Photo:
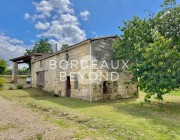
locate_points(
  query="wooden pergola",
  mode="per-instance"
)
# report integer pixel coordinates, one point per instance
(19, 60)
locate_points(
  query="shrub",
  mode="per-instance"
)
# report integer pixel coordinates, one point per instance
(1, 83)
(2, 80)
(19, 86)
(10, 88)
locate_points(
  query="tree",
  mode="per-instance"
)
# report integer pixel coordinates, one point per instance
(152, 46)
(167, 21)
(41, 47)
(3, 66)
(64, 46)
(159, 69)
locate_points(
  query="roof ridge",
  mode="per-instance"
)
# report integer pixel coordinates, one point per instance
(101, 37)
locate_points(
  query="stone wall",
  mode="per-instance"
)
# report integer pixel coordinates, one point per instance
(122, 88)
(53, 84)
(102, 50)
(20, 79)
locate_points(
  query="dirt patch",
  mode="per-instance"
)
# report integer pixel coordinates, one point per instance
(19, 123)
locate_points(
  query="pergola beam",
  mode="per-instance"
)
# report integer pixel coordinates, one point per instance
(19, 60)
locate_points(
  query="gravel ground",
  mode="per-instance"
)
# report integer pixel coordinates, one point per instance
(19, 123)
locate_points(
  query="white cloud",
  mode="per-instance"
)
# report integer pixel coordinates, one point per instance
(38, 16)
(42, 26)
(10, 47)
(85, 15)
(57, 20)
(68, 19)
(26, 16)
(54, 43)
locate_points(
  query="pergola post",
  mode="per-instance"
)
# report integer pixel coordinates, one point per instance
(15, 72)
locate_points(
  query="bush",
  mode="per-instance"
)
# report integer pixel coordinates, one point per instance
(10, 88)
(2, 80)
(19, 86)
(1, 83)
(3, 65)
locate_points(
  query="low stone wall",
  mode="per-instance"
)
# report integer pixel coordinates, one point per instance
(8, 78)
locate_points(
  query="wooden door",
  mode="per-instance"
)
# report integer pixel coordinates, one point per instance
(40, 79)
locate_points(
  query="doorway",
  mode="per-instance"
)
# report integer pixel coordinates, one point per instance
(68, 87)
(106, 88)
(40, 79)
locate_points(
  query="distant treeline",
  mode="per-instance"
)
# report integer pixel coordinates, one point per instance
(22, 71)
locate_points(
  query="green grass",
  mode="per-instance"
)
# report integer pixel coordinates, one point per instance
(121, 119)
(175, 92)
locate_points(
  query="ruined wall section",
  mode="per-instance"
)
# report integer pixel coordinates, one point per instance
(122, 88)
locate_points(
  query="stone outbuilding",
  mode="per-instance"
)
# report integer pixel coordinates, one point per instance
(85, 70)
(59, 73)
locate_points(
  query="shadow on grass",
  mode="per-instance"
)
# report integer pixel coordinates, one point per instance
(167, 116)
(130, 104)
(71, 102)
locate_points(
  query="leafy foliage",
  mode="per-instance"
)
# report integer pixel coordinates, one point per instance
(43, 46)
(3, 66)
(167, 22)
(21, 71)
(158, 69)
(64, 46)
(19, 86)
(1, 83)
(10, 88)
(152, 46)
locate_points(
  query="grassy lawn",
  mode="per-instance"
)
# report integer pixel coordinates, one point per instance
(122, 119)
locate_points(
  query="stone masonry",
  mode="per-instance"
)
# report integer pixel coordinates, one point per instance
(101, 50)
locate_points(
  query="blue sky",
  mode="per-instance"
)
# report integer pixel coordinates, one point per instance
(22, 22)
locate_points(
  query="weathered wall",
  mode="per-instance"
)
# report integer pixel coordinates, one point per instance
(122, 88)
(20, 79)
(52, 77)
(102, 50)
(82, 91)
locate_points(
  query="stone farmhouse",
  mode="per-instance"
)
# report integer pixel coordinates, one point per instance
(54, 74)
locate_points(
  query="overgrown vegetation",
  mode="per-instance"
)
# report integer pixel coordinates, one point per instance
(3, 66)
(1, 83)
(43, 46)
(152, 46)
(124, 119)
(21, 71)
(64, 46)
(10, 88)
(19, 86)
